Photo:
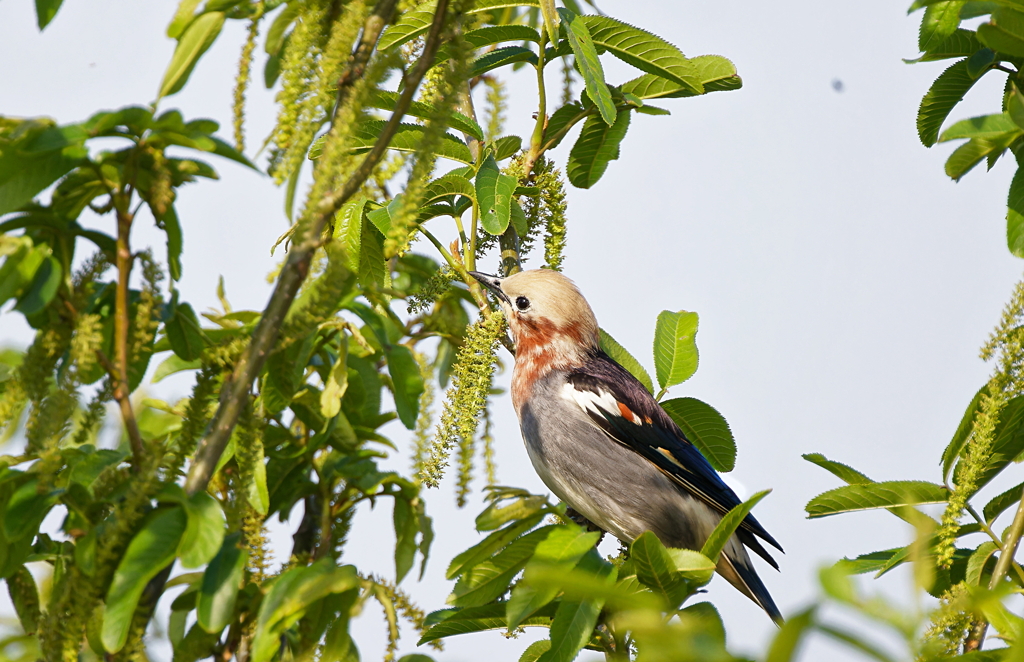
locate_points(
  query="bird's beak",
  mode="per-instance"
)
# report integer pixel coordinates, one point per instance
(493, 283)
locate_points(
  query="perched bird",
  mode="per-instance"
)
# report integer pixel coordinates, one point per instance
(602, 443)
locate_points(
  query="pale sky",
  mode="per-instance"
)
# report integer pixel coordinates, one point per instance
(844, 283)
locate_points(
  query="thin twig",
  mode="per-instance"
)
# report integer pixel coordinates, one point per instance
(236, 389)
(123, 262)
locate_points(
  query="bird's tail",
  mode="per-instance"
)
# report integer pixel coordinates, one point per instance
(740, 573)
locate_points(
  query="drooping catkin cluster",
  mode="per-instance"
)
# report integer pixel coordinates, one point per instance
(1006, 343)
(244, 76)
(146, 316)
(401, 605)
(249, 457)
(443, 95)
(318, 49)
(545, 212)
(432, 289)
(497, 106)
(949, 625)
(425, 420)
(466, 398)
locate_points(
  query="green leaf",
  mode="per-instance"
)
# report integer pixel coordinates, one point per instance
(1015, 215)
(535, 650)
(407, 139)
(870, 562)
(675, 347)
(222, 579)
(406, 528)
(183, 331)
(205, 531)
(655, 568)
(337, 382)
(1004, 33)
(496, 514)
(1015, 106)
(19, 268)
(456, 120)
(987, 127)
(152, 548)
(42, 288)
(963, 433)
(574, 621)
(410, 25)
(588, 63)
(26, 509)
(24, 593)
(294, 592)
(348, 229)
(490, 580)
(715, 73)
(940, 21)
(645, 51)
(980, 62)
(24, 176)
(887, 494)
(416, 22)
(945, 93)
(966, 156)
(174, 364)
(727, 526)
(620, 355)
(786, 642)
(195, 40)
(507, 146)
(977, 562)
(182, 17)
(706, 429)
(500, 57)
(597, 145)
(46, 10)
(407, 381)
(489, 36)
(491, 544)
(560, 550)
(451, 622)
(842, 471)
(494, 192)
(961, 43)
(1000, 503)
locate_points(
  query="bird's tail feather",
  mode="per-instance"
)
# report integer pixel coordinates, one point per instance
(741, 574)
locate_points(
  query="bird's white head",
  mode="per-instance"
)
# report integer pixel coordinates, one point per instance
(551, 323)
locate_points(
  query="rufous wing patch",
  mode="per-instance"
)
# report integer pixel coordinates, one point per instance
(628, 414)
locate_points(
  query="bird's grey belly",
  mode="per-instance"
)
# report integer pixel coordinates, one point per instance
(612, 486)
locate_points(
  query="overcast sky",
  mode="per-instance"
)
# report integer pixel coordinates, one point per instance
(844, 284)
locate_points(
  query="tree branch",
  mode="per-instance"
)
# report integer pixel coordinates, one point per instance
(236, 389)
(123, 262)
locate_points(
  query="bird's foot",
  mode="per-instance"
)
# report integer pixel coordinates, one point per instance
(579, 519)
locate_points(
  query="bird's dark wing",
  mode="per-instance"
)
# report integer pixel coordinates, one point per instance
(620, 405)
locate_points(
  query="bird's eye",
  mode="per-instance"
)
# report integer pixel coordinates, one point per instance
(522, 303)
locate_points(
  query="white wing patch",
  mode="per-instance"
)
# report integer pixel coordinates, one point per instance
(601, 402)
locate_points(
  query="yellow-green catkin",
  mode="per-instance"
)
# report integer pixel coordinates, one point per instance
(487, 439)
(466, 398)
(1006, 343)
(552, 194)
(249, 457)
(146, 316)
(244, 76)
(497, 105)
(404, 606)
(425, 420)
(254, 535)
(444, 100)
(949, 625)
(317, 51)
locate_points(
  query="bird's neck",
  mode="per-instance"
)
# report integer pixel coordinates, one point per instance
(539, 351)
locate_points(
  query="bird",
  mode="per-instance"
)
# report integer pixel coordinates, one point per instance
(601, 442)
